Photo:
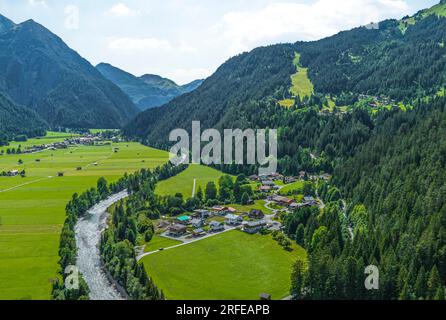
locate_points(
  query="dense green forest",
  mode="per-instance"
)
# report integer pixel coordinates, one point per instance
(394, 185)
(16, 120)
(383, 61)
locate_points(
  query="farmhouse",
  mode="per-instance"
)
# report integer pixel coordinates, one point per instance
(201, 214)
(256, 214)
(163, 224)
(198, 232)
(294, 206)
(282, 200)
(223, 210)
(216, 226)
(325, 177)
(252, 227)
(177, 230)
(13, 173)
(197, 223)
(254, 178)
(184, 220)
(290, 180)
(268, 183)
(233, 219)
(265, 189)
(310, 201)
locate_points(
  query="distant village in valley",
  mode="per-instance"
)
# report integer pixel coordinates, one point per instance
(88, 139)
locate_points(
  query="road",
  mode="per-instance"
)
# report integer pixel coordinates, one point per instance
(186, 242)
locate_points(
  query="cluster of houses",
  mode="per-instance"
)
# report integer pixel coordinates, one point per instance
(378, 101)
(87, 140)
(308, 201)
(268, 181)
(199, 219)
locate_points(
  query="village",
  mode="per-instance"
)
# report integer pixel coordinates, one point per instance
(207, 222)
(82, 140)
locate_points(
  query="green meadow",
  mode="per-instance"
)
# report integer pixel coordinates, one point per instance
(32, 208)
(297, 186)
(300, 84)
(184, 182)
(233, 266)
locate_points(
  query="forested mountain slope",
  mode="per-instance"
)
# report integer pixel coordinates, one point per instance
(247, 77)
(394, 187)
(384, 61)
(38, 70)
(16, 120)
(148, 91)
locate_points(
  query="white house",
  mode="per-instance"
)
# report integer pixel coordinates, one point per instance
(233, 219)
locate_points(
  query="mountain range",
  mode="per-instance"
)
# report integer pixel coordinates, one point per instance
(147, 91)
(401, 59)
(40, 72)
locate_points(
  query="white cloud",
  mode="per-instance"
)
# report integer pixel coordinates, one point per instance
(130, 45)
(121, 10)
(287, 21)
(71, 17)
(182, 76)
(36, 3)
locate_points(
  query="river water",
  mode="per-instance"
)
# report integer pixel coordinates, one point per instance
(88, 235)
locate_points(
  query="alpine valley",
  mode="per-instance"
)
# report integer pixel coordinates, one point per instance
(360, 185)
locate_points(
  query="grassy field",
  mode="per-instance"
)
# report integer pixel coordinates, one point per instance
(32, 208)
(183, 183)
(49, 138)
(259, 204)
(292, 187)
(301, 84)
(158, 242)
(233, 265)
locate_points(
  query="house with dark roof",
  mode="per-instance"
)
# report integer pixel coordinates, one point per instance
(252, 227)
(184, 220)
(215, 226)
(233, 219)
(197, 223)
(177, 230)
(256, 214)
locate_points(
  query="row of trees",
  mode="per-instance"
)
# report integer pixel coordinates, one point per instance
(78, 207)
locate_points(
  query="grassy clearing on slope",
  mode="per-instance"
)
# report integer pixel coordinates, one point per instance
(32, 214)
(233, 266)
(183, 183)
(301, 84)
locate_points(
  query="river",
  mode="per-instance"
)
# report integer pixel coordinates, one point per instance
(88, 235)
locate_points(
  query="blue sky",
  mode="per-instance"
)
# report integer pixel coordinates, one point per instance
(189, 39)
